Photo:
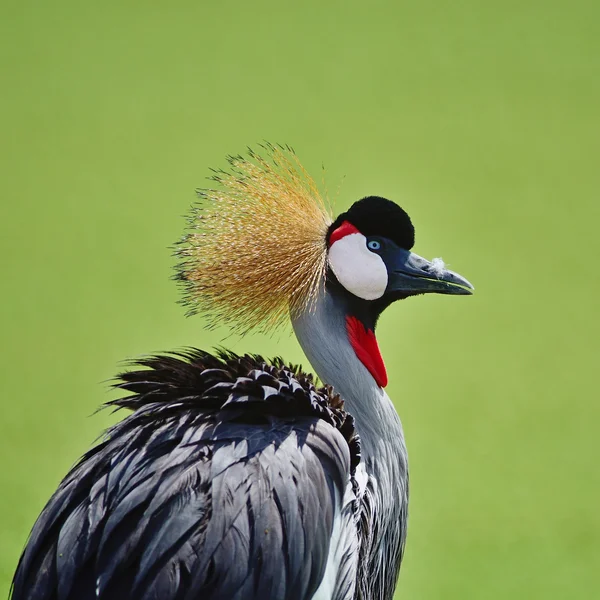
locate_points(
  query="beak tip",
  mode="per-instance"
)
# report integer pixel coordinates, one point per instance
(459, 283)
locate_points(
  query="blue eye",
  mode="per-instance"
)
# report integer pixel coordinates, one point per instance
(373, 245)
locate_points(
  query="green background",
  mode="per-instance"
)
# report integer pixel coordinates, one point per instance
(481, 118)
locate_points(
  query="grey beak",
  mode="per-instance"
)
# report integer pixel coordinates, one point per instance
(412, 274)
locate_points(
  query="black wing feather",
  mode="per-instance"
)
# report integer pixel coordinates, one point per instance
(221, 484)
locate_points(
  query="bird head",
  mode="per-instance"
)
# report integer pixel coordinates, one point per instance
(262, 245)
(369, 254)
(370, 265)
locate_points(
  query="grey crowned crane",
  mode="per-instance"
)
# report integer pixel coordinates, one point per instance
(235, 477)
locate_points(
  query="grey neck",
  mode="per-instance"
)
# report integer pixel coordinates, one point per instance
(321, 331)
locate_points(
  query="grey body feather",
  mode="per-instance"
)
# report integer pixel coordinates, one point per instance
(234, 479)
(221, 485)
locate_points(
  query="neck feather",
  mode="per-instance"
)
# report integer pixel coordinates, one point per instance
(323, 334)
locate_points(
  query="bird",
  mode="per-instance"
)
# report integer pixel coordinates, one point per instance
(233, 476)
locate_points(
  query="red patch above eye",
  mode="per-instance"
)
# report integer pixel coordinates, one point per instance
(346, 228)
(365, 346)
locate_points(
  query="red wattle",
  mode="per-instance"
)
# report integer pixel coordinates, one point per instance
(346, 228)
(365, 346)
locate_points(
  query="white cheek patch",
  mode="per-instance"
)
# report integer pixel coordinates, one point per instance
(362, 272)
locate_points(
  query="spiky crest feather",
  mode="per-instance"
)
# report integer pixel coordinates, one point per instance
(256, 245)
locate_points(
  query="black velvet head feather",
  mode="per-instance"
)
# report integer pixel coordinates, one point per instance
(374, 215)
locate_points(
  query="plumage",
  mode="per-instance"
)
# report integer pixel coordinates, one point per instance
(255, 248)
(238, 478)
(222, 483)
